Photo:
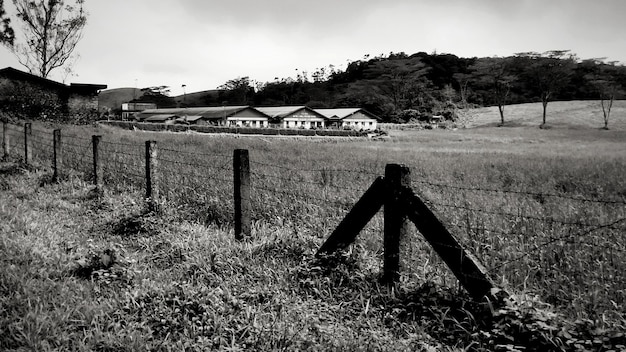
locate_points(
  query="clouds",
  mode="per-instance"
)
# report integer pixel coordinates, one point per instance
(203, 43)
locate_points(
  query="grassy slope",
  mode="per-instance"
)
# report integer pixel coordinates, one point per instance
(565, 114)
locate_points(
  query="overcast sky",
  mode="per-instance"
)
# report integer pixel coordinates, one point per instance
(204, 43)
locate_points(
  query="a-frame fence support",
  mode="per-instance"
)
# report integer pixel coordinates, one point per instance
(401, 203)
(360, 214)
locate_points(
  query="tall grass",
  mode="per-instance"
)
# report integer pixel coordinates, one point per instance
(542, 209)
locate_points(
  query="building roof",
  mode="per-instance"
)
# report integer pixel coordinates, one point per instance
(280, 112)
(211, 112)
(189, 118)
(82, 88)
(160, 117)
(342, 113)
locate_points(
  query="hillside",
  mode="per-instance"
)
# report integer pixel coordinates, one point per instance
(202, 98)
(113, 98)
(569, 114)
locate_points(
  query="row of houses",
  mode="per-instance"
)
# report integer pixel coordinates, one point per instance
(300, 117)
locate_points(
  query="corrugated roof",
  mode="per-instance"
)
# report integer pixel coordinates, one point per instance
(189, 118)
(83, 87)
(210, 112)
(159, 117)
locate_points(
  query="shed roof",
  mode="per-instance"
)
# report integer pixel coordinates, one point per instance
(81, 88)
(189, 118)
(159, 117)
(210, 112)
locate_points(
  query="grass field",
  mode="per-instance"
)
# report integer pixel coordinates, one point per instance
(543, 209)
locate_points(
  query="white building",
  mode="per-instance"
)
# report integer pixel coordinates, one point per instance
(294, 116)
(352, 118)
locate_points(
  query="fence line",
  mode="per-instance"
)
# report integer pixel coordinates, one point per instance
(312, 194)
(535, 194)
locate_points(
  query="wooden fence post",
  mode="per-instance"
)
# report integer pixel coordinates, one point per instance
(97, 166)
(6, 146)
(396, 225)
(57, 155)
(28, 131)
(152, 184)
(241, 169)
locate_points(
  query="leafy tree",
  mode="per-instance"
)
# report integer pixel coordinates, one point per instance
(237, 91)
(158, 95)
(604, 80)
(548, 73)
(401, 80)
(495, 73)
(7, 36)
(51, 31)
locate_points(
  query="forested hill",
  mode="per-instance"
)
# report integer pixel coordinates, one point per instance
(400, 86)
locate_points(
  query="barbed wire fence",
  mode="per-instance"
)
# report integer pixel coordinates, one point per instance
(567, 248)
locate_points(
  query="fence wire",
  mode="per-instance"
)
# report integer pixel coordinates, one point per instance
(568, 248)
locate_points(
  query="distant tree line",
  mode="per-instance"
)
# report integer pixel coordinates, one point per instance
(400, 87)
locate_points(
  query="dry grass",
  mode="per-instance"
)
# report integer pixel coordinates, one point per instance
(178, 279)
(559, 114)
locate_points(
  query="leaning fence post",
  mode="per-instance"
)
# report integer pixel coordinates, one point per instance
(28, 131)
(57, 154)
(241, 169)
(6, 146)
(396, 225)
(97, 166)
(152, 184)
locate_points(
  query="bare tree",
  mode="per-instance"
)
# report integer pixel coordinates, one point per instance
(463, 81)
(51, 31)
(603, 79)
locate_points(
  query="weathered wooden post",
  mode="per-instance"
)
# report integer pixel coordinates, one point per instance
(152, 183)
(97, 166)
(57, 155)
(241, 169)
(6, 146)
(28, 131)
(396, 226)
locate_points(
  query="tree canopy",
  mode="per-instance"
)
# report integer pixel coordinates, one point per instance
(400, 86)
(7, 36)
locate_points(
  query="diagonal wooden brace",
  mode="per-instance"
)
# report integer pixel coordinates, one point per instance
(360, 214)
(464, 265)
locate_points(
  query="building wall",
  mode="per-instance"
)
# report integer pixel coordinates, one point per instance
(303, 119)
(248, 118)
(359, 121)
(246, 121)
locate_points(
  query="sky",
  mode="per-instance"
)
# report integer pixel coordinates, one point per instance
(204, 43)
